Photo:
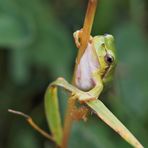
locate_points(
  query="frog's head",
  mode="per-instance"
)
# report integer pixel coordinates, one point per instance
(105, 50)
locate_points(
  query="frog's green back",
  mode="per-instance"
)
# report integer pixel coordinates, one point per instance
(104, 45)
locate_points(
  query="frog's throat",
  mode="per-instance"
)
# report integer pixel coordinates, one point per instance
(89, 63)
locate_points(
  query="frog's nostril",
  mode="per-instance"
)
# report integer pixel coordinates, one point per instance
(106, 34)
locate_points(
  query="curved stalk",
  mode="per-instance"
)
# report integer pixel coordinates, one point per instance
(87, 26)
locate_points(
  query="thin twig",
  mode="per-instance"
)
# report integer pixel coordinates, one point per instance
(32, 124)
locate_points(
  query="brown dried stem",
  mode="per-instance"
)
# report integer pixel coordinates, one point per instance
(87, 27)
(88, 22)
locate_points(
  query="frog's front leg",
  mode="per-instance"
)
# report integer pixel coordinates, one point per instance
(77, 37)
(82, 96)
(96, 91)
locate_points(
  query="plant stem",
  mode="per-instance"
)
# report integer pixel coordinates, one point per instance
(87, 26)
(68, 122)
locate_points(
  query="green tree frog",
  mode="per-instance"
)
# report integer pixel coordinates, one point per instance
(97, 64)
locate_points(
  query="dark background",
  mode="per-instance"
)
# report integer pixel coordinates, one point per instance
(36, 47)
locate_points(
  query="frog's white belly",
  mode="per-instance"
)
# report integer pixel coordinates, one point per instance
(88, 64)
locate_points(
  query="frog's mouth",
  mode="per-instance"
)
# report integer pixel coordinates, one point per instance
(88, 64)
(106, 71)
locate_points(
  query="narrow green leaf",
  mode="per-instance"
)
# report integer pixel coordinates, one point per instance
(108, 117)
(52, 114)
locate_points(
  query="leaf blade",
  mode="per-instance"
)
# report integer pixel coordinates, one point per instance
(53, 114)
(109, 118)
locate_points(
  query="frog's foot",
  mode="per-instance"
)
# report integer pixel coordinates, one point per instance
(78, 94)
(77, 37)
(83, 99)
(84, 96)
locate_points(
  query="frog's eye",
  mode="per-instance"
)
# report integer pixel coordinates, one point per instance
(103, 45)
(109, 59)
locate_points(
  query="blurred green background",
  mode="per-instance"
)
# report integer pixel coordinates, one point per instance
(36, 47)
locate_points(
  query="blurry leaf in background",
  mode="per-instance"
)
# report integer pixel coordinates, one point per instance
(23, 137)
(132, 56)
(35, 40)
(132, 53)
(47, 40)
(87, 135)
(11, 32)
(105, 16)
